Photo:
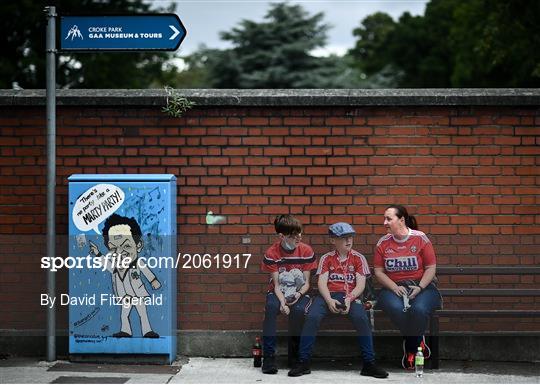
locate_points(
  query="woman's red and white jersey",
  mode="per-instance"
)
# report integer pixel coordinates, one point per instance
(277, 259)
(342, 274)
(404, 259)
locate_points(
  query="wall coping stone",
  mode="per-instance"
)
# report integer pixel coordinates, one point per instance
(282, 97)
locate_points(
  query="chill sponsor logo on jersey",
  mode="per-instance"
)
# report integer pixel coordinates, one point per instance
(409, 263)
(337, 277)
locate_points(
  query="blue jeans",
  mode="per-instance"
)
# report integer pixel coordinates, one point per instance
(296, 320)
(413, 322)
(318, 310)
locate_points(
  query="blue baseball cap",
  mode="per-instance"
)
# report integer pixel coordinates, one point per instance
(341, 229)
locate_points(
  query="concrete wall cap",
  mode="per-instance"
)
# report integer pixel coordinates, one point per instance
(282, 97)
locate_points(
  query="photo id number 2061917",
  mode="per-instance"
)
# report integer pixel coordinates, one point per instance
(208, 261)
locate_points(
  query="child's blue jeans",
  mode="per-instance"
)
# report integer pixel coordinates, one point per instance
(318, 310)
(296, 320)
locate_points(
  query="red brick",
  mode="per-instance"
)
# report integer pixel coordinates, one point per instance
(129, 141)
(339, 141)
(337, 121)
(507, 140)
(253, 200)
(319, 151)
(10, 161)
(154, 131)
(233, 131)
(296, 121)
(299, 161)
(255, 121)
(91, 161)
(277, 171)
(152, 151)
(317, 131)
(297, 200)
(528, 150)
(298, 141)
(255, 180)
(320, 171)
(215, 161)
(339, 180)
(9, 122)
(463, 220)
(213, 181)
(214, 141)
(507, 120)
(295, 181)
(130, 122)
(172, 141)
(463, 120)
(255, 141)
(132, 161)
(381, 121)
(382, 160)
(221, 121)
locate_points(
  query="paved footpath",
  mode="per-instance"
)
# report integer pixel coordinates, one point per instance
(199, 370)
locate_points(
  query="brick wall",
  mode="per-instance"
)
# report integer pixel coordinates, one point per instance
(469, 173)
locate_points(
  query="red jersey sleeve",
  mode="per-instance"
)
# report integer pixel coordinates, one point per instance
(269, 263)
(323, 265)
(309, 254)
(365, 267)
(428, 255)
(378, 260)
(360, 265)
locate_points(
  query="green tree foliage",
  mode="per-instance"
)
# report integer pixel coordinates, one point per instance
(497, 43)
(195, 73)
(371, 37)
(275, 53)
(23, 30)
(475, 43)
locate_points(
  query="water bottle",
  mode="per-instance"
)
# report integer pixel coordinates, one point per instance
(256, 351)
(419, 363)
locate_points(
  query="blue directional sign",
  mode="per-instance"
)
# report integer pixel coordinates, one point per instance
(162, 32)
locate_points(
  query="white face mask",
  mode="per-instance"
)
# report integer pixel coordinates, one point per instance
(288, 245)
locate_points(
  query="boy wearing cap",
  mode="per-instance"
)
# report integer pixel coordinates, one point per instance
(288, 253)
(342, 277)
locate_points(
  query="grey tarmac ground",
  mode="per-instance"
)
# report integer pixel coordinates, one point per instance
(200, 370)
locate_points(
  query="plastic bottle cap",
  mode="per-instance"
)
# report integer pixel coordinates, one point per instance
(419, 348)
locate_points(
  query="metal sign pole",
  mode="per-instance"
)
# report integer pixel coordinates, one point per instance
(51, 175)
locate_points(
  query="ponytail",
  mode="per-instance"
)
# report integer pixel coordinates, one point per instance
(401, 212)
(411, 223)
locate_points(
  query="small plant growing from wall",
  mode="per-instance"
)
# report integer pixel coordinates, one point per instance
(177, 105)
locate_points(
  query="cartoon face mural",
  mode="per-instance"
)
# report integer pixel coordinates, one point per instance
(121, 242)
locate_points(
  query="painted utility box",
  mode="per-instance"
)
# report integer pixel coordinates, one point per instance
(122, 290)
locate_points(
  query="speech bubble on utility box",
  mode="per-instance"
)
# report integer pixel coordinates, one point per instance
(95, 205)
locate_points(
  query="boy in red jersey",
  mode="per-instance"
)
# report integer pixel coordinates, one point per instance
(405, 265)
(286, 254)
(342, 278)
